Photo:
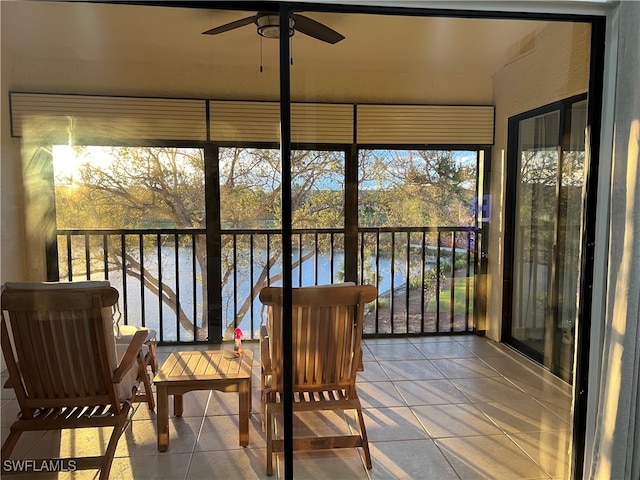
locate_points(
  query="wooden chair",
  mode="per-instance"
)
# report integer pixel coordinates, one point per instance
(124, 335)
(62, 360)
(327, 333)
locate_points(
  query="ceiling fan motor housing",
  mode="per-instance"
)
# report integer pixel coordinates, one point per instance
(269, 25)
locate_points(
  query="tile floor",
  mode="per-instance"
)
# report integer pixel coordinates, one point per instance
(435, 408)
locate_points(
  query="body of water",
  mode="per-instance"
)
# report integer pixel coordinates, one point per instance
(185, 281)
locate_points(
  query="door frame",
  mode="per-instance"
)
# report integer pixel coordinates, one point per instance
(512, 174)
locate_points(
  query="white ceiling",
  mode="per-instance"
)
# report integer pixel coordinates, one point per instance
(113, 33)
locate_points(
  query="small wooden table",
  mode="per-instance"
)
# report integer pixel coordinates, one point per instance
(221, 370)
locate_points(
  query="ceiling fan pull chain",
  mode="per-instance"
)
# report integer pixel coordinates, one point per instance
(261, 70)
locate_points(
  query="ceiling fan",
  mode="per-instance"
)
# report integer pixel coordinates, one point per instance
(268, 26)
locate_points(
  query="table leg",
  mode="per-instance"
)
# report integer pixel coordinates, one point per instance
(244, 407)
(163, 418)
(178, 405)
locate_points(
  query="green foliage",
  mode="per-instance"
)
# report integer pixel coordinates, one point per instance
(382, 302)
(415, 188)
(459, 304)
(128, 187)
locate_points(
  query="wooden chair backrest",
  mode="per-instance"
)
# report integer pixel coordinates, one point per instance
(327, 327)
(55, 342)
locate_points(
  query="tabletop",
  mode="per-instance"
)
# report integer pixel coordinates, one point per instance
(205, 365)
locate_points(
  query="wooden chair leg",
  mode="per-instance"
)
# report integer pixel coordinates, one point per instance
(365, 440)
(269, 416)
(153, 343)
(146, 381)
(263, 400)
(110, 452)
(10, 443)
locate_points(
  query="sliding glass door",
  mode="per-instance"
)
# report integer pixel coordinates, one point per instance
(545, 174)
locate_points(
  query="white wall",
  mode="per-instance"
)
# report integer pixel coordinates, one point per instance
(557, 68)
(12, 264)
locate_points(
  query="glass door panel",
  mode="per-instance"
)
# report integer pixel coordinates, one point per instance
(572, 170)
(535, 214)
(546, 234)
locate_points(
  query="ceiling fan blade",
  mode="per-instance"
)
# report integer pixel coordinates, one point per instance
(230, 26)
(315, 29)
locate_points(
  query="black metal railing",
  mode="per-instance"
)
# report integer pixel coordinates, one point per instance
(425, 276)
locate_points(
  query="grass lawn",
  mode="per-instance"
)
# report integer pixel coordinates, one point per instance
(459, 295)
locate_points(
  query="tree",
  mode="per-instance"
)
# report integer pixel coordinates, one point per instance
(416, 187)
(163, 187)
(134, 188)
(139, 187)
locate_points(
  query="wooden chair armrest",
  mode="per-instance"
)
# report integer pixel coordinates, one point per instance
(133, 350)
(265, 358)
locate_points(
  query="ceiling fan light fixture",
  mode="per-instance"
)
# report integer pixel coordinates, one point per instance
(269, 26)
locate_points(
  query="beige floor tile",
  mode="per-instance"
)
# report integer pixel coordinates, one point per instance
(221, 432)
(410, 370)
(336, 464)
(489, 457)
(194, 403)
(430, 339)
(409, 460)
(373, 372)
(223, 403)
(560, 406)
(89, 474)
(550, 449)
(478, 380)
(489, 389)
(379, 394)
(142, 411)
(237, 464)
(367, 356)
(481, 347)
(82, 442)
(454, 420)
(544, 386)
(463, 368)
(26, 443)
(10, 410)
(71, 443)
(511, 364)
(141, 438)
(395, 351)
(310, 424)
(435, 350)
(256, 399)
(142, 467)
(385, 340)
(395, 423)
(523, 416)
(6, 393)
(430, 392)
